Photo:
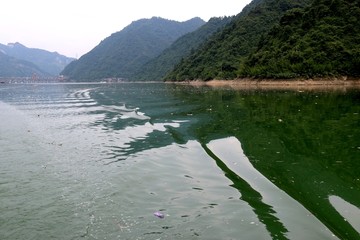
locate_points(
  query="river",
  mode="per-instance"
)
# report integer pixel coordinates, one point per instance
(166, 161)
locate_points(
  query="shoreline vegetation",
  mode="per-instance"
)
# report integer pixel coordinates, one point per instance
(290, 84)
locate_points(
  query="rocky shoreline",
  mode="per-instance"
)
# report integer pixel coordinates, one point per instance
(294, 84)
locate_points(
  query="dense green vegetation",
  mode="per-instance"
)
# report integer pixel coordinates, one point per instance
(223, 53)
(12, 67)
(281, 39)
(320, 40)
(124, 52)
(157, 68)
(50, 62)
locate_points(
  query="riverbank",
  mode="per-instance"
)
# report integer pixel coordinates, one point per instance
(291, 84)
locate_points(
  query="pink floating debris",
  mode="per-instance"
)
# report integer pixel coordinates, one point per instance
(159, 215)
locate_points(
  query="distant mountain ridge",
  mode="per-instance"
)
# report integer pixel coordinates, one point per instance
(13, 67)
(51, 63)
(159, 66)
(123, 53)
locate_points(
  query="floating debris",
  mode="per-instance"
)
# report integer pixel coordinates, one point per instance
(159, 215)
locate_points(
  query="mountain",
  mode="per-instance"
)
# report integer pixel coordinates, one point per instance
(12, 67)
(51, 62)
(320, 40)
(123, 53)
(158, 67)
(224, 53)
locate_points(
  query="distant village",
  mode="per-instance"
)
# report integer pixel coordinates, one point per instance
(33, 79)
(53, 79)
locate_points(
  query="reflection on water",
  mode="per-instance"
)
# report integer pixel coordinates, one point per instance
(264, 212)
(105, 157)
(134, 139)
(349, 212)
(306, 143)
(274, 208)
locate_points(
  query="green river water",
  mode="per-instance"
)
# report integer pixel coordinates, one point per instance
(96, 161)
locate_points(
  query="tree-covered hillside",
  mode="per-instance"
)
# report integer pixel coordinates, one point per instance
(158, 67)
(124, 52)
(224, 53)
(320, 40)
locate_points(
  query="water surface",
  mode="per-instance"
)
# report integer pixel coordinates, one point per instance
(95, 161)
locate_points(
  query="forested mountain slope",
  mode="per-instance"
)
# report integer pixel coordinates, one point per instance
(224, 53)
(124, 52)
(320, 40)
(157, 68)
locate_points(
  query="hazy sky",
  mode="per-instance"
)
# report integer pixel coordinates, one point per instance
(74, 27)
